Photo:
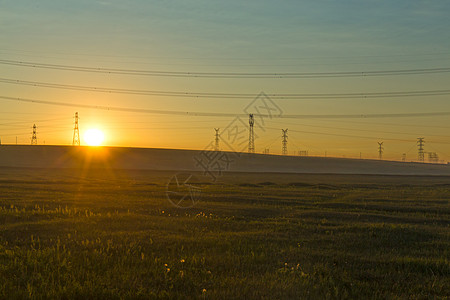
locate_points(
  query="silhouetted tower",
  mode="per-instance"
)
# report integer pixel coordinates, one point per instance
(76, 132)
(404, 157)
(251, 135)
(421, 153)
(302, 152)
(33, 136)
(284, 141)
(433, 157)
(380, 150)
(216, 146)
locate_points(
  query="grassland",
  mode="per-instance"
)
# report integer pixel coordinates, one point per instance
(113, 235)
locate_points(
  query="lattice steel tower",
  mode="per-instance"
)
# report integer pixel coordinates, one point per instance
(380, 150)
(76, 132)
(216, 146)
(251, 134)
(33, 136)
(284, 141)
(421, 152)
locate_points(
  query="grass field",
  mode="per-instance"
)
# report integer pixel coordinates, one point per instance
(114, 235)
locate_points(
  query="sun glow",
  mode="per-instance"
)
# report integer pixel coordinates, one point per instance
(94, 137)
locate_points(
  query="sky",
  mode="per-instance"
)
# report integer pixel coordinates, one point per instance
(229, 37)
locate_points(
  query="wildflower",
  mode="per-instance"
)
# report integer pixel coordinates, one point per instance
(204, 291)
(168, 270)
(182, 260)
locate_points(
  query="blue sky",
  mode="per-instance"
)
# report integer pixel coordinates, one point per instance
(229, 29)
(230, 36)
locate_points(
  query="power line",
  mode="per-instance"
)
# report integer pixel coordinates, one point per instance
(250, 62)
(271, 143)
(396, 124)
(26, 122)
(352, 136)
(358, 129)
(321, 57)
(27, 133)
(230, 115)
(440, 152)
(280, 96)
(160, 73)
(304, 145)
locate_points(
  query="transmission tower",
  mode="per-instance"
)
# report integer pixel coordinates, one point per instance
(433, 157)
(33, 136)
(76, 132)
(251, 135)
(380, 150)
(421, 153)
(216, 146)
(284, 141)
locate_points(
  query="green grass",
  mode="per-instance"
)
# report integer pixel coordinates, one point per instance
(113, 235)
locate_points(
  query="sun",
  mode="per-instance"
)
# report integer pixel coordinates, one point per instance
(94, 137)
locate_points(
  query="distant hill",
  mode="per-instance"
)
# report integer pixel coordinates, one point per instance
(186, 160)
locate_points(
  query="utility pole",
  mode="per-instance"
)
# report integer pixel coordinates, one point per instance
(76, 132)
(403, 157)
(33, 136)
(421, 153)
(380, 150)
(251, 135)
(284, 141)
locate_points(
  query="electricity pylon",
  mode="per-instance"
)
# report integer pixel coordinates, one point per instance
(33, 136)
(380, 150)
(284, 141)
(216, 146)
(421, 153)
(251, 134)
(76, 132)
